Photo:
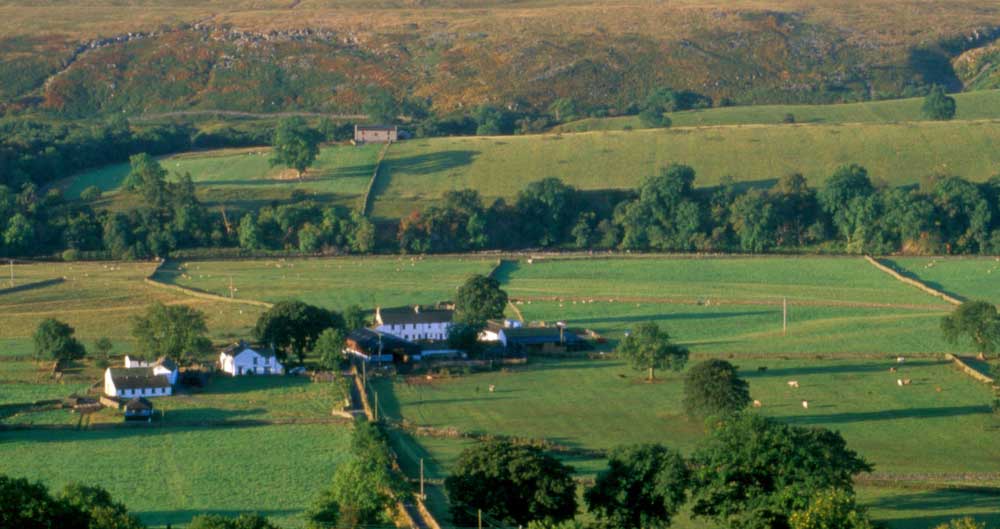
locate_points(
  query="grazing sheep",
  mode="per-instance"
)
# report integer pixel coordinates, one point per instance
(793, 383)
(493, 388)
(907, 382)
(762, 369)
(900, 359)
(805, 404)
(938, 389)
(899, 382)
(892, 369)
(757, 404)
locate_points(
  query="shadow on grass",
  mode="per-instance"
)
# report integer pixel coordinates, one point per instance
(975, 500)
(225, 385)
(886, 415)
(748, 371)
(184, 517)
(186, 416)
(675, 316)
(905, 272)
(423, 164)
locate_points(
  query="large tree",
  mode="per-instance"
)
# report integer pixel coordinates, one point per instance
(293, 327)
(479, 299)
(713, 388)
(547, 209)
(643, 487)
(511, 483)
(27, 505)
(831, 509)
(939, 105)
(752, 472)
(177, 331)
(97, 503)
(243, 521)
(329, 348)
(295, 145)
(54, 340)
(148, 178)
(666, 215)
(648, 348)
(976, 321)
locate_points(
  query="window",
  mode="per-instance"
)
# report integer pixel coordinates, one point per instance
(255, 360)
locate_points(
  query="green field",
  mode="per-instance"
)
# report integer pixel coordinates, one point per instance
(983, 104)
(965, 277)
(169, 475)
(417, 172)
(915, 434)
(244, 177)
(332, 282)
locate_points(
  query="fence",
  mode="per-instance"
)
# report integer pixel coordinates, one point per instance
(968, 370)
(912, 282)
(367, 204)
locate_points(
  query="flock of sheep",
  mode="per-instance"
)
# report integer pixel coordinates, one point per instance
(805, 403)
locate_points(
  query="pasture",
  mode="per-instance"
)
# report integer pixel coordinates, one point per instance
(245, 177)
(332, 282)
(417, 172)
(169, 475)
(915, 435)
(964, 277)
(983, 104)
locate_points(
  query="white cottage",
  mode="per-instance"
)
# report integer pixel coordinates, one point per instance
(240, 359)
(163, 365)
(414, 323)
(136, 382)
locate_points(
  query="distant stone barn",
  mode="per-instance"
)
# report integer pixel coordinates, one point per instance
(375, 134)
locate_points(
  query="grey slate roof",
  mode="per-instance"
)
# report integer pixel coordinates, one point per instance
(138, 378)
(138, 404)
(538, 335)
(238, 348)
(411, 315)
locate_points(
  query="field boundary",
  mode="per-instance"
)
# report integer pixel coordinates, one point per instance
(366, 205)
(188, 291)
(31, 286)
(968, 370)
(912, 282)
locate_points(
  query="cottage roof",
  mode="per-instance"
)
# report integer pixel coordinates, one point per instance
(367, 342)
(362, 128)
(237, 348)
(539, 335)
(138, 404)
(137, 378)
(413, 315)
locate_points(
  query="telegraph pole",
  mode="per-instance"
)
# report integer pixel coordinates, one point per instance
(784, 316)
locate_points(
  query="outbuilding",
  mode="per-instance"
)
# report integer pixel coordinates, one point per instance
(543, 339)
(376, 346)
(138, 409)
(136, 382)
(415, 323)
(375, 134)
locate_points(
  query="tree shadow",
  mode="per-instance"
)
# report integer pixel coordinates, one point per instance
(241, 384)
(885, 415)
(195, 416)
(676, 316)
(423, 164)
(750, 372)
(506, 270)
(910, 274)
(933, 67)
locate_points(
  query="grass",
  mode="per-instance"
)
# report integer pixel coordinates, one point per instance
(245, 176)
(983, 104)
(333, 282)
(25, 382)
(965, 277)
(916, 434)
(416, 173)
(169, 475)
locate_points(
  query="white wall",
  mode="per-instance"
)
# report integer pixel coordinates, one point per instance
(418, 331)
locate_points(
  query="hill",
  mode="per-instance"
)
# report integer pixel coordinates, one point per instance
(326, 55)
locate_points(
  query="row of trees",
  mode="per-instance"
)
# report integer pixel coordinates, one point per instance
(850, 213)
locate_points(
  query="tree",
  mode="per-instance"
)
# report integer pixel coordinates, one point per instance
(355, 318)
(177, 331)
(831, 509)
(27, 505)
(479, 299)
(90, 194)
(329, 348)
(149, 178)
(103, 346)
(962, 523)
(362, 237)
(97, 503)
(754, 221)
(649, 348)
(465, 337)
(243, 521)
(295, 145)
(713, 389)
(938, 105)
(20, 233)
(512, 483)
(643, 487)
(564, 109)
(977, 321)
(547, 209)
(293, 326)
(54, 340)
(249, 233)
(381, 107)
(752, 472)
(665, 216)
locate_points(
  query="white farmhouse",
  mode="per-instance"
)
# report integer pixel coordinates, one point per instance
(414, 323)
(495, 327)
(136, 382)
(240, 359)
(163, 365)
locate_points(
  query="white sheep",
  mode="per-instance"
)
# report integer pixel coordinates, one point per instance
(793, 383)
(805, 404)
(757, 404)
(900, 359)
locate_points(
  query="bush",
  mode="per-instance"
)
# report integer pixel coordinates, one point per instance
(789, 118)
(91, 194)
(71, 254)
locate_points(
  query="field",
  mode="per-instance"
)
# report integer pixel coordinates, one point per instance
(333, 283)
(417, 172)
(244, 177)
(983, 104)
(968, 278)
(168, 475)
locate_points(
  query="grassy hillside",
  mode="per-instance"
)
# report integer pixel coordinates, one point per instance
(245, 178)
(968, 278)
(983, 104)
(419, 171)
(463, 53)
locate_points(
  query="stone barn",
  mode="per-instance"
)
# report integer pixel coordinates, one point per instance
(375, 134)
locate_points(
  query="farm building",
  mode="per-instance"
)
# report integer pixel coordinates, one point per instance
(163, 365)
(493, 327)
(375, 346)
(539, 339)
(241, 359)
(136, 382)
(375, 134)
(414, 323)
(138, 409)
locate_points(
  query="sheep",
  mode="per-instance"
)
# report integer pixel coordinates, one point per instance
(805, 404)
(793, 383)
(757, 404)
(903, 382)
(900, 359)
(899, 382)
(493, 388)
(892, 369)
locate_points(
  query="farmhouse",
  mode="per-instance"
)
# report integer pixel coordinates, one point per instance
(240, 359)
(375, 134)
(138, 409)
(414, 323)
(493, 327)
(136, 382)
(376, 346)
(539, 339)
(163, 365)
